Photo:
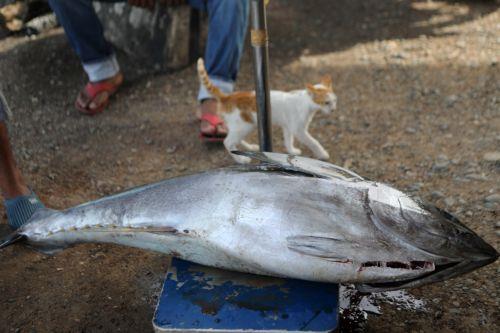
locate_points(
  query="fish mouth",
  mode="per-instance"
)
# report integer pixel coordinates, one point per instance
(440, 273)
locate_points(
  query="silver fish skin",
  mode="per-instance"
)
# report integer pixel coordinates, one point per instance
(289, 216)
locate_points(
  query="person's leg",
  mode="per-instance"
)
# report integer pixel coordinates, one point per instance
(228, 21)
(86, 36)
(11, 181)
(20, 202)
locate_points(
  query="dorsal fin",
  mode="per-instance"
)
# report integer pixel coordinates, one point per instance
(306, 165)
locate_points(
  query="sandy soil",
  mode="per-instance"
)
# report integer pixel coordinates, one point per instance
(419, 105)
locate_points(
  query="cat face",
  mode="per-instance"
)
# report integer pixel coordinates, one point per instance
(322, 95)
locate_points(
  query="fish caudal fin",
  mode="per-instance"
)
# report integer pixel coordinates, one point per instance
(11, 239)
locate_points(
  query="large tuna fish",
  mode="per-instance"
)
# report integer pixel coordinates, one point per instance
(288, 216)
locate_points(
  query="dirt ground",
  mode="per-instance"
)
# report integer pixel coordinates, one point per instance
(418, 84)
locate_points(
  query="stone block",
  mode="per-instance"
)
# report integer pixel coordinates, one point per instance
(163, 39)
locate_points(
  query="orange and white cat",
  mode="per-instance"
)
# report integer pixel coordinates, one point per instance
(293, 111)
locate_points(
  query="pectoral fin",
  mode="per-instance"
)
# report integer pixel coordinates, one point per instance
(320, 247)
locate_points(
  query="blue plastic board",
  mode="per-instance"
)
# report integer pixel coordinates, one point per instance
(198, 298)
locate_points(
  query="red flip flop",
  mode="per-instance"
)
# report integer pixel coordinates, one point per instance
(99, 93)
(215, 121)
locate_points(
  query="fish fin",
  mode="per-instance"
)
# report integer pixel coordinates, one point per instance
(11, 239)
(42, 213)
(305, 165)
(365, 288)
(321, 247)
(20, 238)
(39, 214)
(47, 250)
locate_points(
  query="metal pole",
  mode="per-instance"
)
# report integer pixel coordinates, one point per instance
(261, 59)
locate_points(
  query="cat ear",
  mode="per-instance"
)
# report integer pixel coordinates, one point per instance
(326, 81)
(310, 88)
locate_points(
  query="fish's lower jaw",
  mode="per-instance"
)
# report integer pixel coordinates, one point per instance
(440, 273)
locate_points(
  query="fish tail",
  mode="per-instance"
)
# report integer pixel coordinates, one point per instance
(13, 238)
(205, 81)
(20, 235)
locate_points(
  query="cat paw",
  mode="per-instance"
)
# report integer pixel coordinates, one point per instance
(295, 151)
(322, 155)
(241, 159)
(252, 147)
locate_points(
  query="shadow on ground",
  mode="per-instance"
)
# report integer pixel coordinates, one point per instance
(324, 26)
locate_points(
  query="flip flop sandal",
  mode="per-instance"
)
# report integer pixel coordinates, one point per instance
(97, 92)
(214, 121)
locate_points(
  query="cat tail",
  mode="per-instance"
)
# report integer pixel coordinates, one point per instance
(205, 81)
